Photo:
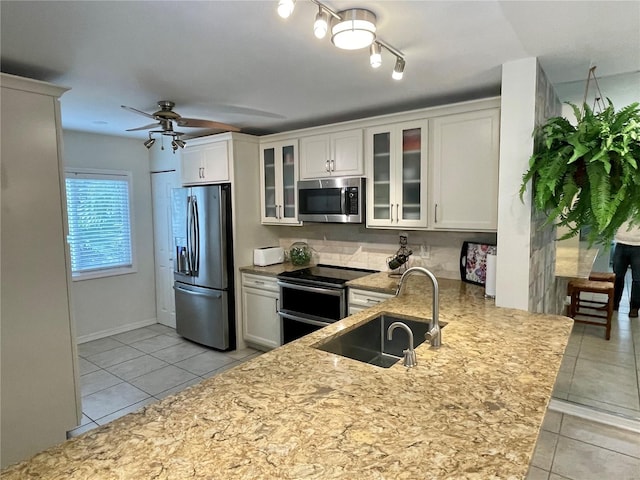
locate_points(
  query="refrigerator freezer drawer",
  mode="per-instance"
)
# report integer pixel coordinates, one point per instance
(202, 315)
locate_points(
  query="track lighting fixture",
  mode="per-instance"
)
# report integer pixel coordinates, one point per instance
(149, 143)
(351, 29)
(285, 8)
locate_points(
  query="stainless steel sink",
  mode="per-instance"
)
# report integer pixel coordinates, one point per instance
(368, 343)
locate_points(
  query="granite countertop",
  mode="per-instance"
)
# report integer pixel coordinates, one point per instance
(471, 409)
(271, 270)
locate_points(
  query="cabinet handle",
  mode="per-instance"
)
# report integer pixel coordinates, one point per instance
(280, 211)
(326, 166)
(332, 165)
(436, 214)
(259, 282)
(391, 212)
(277, 309)
(397, 213)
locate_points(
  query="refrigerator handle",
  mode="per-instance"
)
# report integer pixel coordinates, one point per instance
(196, 236)
(189, 235)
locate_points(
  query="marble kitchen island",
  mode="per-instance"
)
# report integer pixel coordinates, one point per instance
(471, 409)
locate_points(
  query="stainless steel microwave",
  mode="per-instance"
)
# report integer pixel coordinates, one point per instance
(332, 200)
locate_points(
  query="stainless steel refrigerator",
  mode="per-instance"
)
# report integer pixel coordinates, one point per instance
(203, 265)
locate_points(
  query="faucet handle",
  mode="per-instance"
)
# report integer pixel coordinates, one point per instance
(434, 336)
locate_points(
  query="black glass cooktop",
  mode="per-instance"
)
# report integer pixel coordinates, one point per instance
(325, 274)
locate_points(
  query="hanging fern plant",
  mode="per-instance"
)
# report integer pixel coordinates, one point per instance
(588, 174)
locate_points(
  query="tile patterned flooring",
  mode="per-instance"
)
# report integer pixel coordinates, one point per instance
(600, 373)
(123, 373)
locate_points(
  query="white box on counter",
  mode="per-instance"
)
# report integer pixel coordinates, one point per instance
(268, 256)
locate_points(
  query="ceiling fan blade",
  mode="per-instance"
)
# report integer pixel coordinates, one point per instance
(146, 127)
(197, 123)
(135, 110)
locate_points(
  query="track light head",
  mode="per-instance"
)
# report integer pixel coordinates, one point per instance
(149, 143)
(321, 24)
(285, 8)
(375, 55)
(398, 70)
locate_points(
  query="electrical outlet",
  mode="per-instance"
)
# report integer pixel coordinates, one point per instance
(425, 251)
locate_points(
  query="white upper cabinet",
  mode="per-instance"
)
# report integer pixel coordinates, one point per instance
(397, 175)
(464, 154)
(205, 163)
(332, 154)
(278, 177)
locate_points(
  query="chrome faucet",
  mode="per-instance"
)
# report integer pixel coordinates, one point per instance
(409, 353)
(434, 336)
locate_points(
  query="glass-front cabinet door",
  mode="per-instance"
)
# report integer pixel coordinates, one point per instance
(278, 168)
(397, 167)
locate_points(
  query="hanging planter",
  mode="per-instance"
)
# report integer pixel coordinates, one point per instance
(588, 174)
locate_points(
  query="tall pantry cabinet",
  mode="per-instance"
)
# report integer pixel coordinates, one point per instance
(38, 366)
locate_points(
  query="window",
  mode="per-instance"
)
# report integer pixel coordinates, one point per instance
(99, 214)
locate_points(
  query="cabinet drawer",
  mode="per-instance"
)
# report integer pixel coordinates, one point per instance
(366, 298)
(263, 282)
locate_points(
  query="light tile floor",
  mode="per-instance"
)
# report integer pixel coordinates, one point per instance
(125, 372)
(598, 374)
(604, 374)
(574, 448)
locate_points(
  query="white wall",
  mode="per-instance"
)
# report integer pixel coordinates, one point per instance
(105, 306)
(517, 121)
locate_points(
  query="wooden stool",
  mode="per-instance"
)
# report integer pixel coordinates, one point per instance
(576, 287)
(602, 276)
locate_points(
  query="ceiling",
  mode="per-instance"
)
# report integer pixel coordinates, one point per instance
(239, 63)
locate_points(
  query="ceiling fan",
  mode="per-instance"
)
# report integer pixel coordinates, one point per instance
(166, 117)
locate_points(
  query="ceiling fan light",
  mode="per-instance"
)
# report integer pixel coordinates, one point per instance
(375, 55)
(398, 70)
(149, 143)
(321, 25)
(179, 142)
(285, 8)
(355, 29)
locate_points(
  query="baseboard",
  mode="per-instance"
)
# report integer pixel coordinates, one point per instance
(115, 331)
(594, 414)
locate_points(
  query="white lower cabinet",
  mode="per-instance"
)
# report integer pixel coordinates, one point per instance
(260, 319)
(362, 299)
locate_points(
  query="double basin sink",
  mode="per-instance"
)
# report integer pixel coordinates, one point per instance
(368, 342)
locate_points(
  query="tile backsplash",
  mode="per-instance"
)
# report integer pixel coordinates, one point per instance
(358, 247)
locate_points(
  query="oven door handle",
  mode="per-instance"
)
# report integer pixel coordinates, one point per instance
(336, 292)
(303, 319)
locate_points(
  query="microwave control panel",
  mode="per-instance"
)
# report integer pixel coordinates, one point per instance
(352, 202)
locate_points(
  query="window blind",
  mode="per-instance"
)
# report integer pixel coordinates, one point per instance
(99, 221)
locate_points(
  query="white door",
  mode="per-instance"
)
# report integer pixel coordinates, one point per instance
(161, 185)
